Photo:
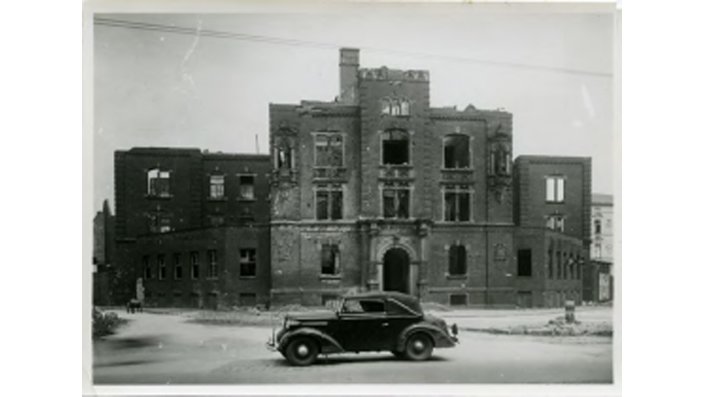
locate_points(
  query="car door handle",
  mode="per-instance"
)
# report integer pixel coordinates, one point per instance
(385, 324)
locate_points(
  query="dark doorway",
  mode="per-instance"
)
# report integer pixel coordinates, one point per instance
(396, 270)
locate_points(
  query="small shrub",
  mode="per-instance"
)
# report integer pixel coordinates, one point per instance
(105, 323)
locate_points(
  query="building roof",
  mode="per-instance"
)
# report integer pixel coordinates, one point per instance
(602, 199)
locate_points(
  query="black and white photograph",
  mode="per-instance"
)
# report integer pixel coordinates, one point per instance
(355, 194)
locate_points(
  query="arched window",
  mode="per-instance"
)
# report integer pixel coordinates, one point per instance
(404, 107)
(386, 106)
(396, 108)
(456, 151)
(457, 260)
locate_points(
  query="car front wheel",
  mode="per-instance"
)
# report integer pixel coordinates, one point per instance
(419, 347)
(301, 351)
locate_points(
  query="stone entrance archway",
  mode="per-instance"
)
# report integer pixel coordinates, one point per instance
(395, 266)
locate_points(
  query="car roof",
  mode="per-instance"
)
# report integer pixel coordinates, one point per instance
(409, 300)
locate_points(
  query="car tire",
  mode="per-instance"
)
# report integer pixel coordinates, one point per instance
(419, 347)
(301, 351)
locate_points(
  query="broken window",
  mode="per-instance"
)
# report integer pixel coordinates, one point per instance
(395, 201)
(395, 147)
(217, 186)
(556, 222)
(549, 254)
(212, 264)
(456, 152)
(330, 259)
(247, 187)
(524, 263)
(457, 260)
(248, 262)
(158, 182)
(329, 150)
(598, 226)
(329, 202)
(195, 265)
(457, 203)
(161, 265)
(178, 270)
(555, 186)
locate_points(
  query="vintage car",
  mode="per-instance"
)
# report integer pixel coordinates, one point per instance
(373, 321)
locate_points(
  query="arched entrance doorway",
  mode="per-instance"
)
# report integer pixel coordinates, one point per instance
(396, 270)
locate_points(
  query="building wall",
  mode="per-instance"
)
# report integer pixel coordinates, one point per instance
(602, 246)
(532, 208)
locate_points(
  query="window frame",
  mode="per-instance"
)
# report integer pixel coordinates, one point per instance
(454, 251)
(329, 135)
(155, 190)
(212, 256)
(457, 191)
(240, 185)
(396, 188)
(388, 132)
(335, 249)
(252, 261)
(556, 194)
(525, 270)
(161, 267)
(177, 265)
(195, 265)
(329, 190)
(470, 153)
(221, 187)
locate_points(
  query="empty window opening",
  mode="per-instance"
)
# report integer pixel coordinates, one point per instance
(329, 202)
(395, 148)
(248, 262)
(457, 260)
(330, 259)
(147, 267)
(524, 263)
(598, 226)
(457, 203)
(556, 222)
(456, 151)
(247, 187)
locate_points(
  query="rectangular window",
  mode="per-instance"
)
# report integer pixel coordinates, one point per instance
(457, 203)
(395, 201)
(330, 259)
(458, 299)
(457, 260)
(195, 265)
(217, 186)
(395, 148)
(329, 202)
(556, 222)
(212, 264)
(147, 268)
(456, 152)
(216, 220)
(559, 265)
(158, 182)
(524, 263)
(161, 265)
(247, 187)
(555, 189)
(178, 269)
(549, 255)
(159, 222)
(329, 150)
(248, 262)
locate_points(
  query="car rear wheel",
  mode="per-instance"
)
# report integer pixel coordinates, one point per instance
(419, 347)
(301, 351)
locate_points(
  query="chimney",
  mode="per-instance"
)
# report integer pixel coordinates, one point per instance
(349, 62)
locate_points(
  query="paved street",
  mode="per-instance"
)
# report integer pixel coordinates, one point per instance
(165, 349)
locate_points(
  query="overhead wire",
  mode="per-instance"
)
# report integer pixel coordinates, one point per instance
(156, 27)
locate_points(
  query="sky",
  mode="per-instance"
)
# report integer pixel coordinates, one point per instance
(553, 72)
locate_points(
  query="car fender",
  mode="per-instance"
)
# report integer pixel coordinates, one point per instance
(439, 337)
(327, 342)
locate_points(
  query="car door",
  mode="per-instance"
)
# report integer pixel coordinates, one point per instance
(360, 324)
(398, 318)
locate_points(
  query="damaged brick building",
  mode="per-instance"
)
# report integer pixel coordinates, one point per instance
(376, 189)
